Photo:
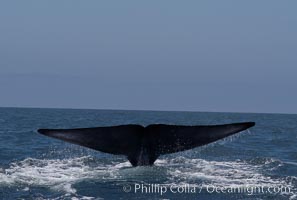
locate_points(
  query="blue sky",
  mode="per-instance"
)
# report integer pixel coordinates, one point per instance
(236, 56)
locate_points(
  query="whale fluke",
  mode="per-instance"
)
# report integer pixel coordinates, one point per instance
(143, 145)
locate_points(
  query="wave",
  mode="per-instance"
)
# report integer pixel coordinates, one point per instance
(57, 174)
(62, 174)
(225, 173)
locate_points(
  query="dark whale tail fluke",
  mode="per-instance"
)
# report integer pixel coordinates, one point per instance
(143, 145)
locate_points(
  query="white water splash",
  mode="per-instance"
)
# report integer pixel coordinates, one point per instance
(56, 174)
(62, 174)
(199, 172)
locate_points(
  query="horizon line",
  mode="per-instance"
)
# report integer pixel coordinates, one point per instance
(147, 110)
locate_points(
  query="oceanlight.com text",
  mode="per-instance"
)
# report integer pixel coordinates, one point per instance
(208, 188)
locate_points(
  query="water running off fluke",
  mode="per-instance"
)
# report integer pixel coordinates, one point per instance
(143, 145)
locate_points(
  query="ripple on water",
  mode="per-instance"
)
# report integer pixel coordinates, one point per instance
(62, 174)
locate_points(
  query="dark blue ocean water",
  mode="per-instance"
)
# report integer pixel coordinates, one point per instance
(33, 166)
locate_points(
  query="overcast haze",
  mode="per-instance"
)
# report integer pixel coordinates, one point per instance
(236, 56)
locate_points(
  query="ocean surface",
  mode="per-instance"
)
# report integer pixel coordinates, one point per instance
(33, 166)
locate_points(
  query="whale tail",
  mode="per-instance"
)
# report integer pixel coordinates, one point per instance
(143, 145)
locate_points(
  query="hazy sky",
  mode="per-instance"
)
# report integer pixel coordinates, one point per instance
(238, 56)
